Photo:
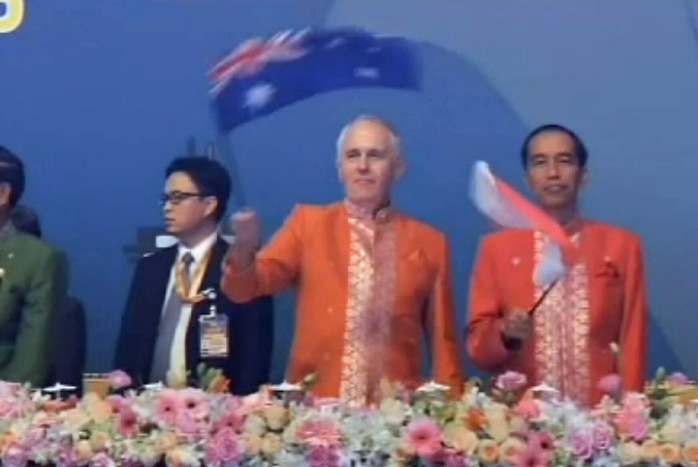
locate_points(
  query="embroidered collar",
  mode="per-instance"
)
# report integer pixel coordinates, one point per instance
(382, 215)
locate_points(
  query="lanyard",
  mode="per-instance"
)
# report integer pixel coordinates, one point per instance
(187, 294)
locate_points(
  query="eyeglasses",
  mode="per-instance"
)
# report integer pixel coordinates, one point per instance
(177, 197)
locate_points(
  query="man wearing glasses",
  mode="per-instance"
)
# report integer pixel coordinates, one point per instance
(175, 317)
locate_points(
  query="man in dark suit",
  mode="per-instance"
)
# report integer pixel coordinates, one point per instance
(172, 321)
(69, 341)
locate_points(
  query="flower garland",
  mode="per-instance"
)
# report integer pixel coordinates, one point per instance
(193, 427)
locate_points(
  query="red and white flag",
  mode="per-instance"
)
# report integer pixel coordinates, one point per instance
(509, 209)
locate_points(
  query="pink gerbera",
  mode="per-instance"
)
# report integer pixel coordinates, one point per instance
(128, 422)
(168, 406)
(423, 437)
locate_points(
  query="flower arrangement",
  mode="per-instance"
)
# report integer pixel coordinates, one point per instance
(205, 425)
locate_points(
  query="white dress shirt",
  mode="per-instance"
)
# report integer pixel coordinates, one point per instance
(178, 357)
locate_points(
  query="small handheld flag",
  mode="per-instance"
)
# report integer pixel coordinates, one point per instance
(509, 209)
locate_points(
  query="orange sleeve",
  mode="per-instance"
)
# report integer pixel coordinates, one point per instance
(275, 267)
(448, 368)
(633, 336)
(483, 332)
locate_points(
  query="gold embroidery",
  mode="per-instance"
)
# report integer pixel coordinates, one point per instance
(372, 279)
(561, 327)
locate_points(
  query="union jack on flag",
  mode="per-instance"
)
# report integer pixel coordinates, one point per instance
(262, 76)
(250, 57)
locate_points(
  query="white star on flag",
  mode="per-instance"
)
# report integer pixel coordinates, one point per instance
(367, 73)
(335, 43)
(259, 95)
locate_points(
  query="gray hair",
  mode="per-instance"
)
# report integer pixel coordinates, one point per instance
(394, 138)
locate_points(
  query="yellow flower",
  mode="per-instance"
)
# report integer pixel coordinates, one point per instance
(276, 417)
(255, 425)
(99, 440)
(671, 432)
(271, 444)
(393, 411)
(649, 451)
(252, 444)
(75, 419)
(497, 424)
(84, 451)
(165, 441)
(629, 453)
(100, 411)
(460, 438)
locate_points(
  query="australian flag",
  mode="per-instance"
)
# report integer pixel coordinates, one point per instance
(262, 76)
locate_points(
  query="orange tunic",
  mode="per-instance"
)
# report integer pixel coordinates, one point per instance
(601, 301)
(367, 290)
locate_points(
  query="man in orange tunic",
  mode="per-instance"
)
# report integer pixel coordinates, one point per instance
(370, 280)
(592, 323)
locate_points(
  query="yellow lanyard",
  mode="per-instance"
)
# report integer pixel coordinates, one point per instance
(187, 294)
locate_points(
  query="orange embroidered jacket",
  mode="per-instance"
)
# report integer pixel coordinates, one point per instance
(317, 250)
(601, 301)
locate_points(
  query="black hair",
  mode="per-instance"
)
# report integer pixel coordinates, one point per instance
(210, 177)
(580, 149)
(12, 172)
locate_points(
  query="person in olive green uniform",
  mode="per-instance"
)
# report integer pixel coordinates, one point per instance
(32, 285)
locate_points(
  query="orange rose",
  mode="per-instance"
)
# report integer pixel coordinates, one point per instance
(488, 451)
(690, 452)
(669, 453)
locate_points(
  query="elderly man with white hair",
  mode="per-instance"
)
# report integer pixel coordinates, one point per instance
(370, 280)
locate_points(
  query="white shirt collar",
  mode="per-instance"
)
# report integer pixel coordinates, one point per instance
(199, 250)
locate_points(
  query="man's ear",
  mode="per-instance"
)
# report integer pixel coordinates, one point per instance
(211, 206)
(584, 177)
(5, 192)
(400, 168)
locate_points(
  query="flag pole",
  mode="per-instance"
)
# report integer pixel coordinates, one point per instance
(228, 155)
(239, 197)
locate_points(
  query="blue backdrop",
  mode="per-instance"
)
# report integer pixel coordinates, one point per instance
(98, 96)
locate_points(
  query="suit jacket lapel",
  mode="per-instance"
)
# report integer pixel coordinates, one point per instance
(156, 289)
(211, 280)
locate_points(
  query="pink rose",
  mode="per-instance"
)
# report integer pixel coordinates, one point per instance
(511, 381)
(15, 456)
(528, 409)
(119, 379)
(582, 444)
(224, 448)
(611, 384)
(101, 460)
(603, 435)
(678, 379)
(322, 456)
(638, 428)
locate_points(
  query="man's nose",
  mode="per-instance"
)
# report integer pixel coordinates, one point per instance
(363, 163)
(552, 170)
